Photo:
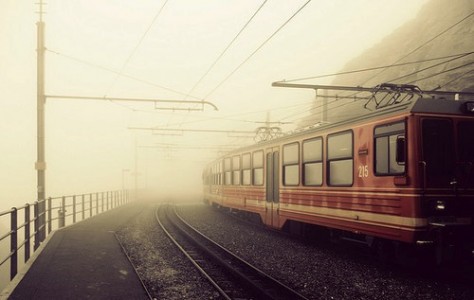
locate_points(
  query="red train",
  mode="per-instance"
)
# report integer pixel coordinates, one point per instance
(398, 177)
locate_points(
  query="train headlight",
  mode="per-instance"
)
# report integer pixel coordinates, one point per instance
(440, 205)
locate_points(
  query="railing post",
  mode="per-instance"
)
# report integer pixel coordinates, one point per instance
(27, 232)
(74, 209)
(107, 200)
(13, 243)
(102, 201)
(50, 225)
(90, 205)
(83, 207)
(35, 216)
(62, 213)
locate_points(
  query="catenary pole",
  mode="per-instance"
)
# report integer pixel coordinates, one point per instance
(40, 165)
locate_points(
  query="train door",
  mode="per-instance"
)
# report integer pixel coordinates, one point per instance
(272, 188)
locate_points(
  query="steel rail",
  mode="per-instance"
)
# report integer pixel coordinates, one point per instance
(254, 280)
(192, 260)
(281, 286)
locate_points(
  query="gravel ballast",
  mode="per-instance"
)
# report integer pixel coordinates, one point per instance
(322, 271)
(164, 270)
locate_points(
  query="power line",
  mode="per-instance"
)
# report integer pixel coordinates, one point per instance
(442, 72)
(229, 118)
(422, 45)
(225, 50)
(123, 75)
(136, 47)
(258, 48)
(455, 79)
(228, 46)
(378, 68)
(430, 67)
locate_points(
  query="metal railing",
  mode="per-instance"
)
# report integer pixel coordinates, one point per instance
(59, 212)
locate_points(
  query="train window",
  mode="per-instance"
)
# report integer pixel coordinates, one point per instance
(313, 162)
(236, 170)
(386, 142)
(219, 173)
(246, 169)
(466, 151)
(466, 141)
(227, 171)
(340, 159)
(257, 167)
(211, 174)
(291, 164)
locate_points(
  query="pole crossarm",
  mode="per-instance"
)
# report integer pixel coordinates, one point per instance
(190, 148)
(321, 87)
(361, 89)
(192, 130)
(133, 100)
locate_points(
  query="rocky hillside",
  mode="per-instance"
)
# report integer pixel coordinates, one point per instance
(442, 28)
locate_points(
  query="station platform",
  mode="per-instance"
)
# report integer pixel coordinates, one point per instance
(84, 261)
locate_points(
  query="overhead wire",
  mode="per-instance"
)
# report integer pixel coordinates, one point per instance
(228, 46)
(257, 49)
(455, 79)
(422, 45)
(142, 38)
(242, 114)
(224, 51)
(417, 80)
(416, 49)
(456, 57)
(376, 68)
(442, 72)
(122, 74)
(430, 67)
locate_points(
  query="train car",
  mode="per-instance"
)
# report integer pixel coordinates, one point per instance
(399, 176)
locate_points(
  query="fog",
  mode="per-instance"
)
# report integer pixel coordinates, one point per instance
(142, 49)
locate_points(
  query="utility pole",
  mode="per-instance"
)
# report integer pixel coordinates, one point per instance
(40, 165)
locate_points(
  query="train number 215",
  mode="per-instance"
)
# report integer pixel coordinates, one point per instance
(364, 171)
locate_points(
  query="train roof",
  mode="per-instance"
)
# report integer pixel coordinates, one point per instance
(383, 104)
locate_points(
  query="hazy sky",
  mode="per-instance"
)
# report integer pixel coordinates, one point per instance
(162, 52)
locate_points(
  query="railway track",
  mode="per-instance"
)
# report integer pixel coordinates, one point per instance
(232, 277)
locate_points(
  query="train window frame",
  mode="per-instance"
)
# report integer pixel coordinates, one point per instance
(211, 174)
(246, 176)
(308, 162)
(220, 172)
(339, 160)
(290, 164)
(390, 134)
(258, 168)
(236, 167)
(227, 171)
(463, 134)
